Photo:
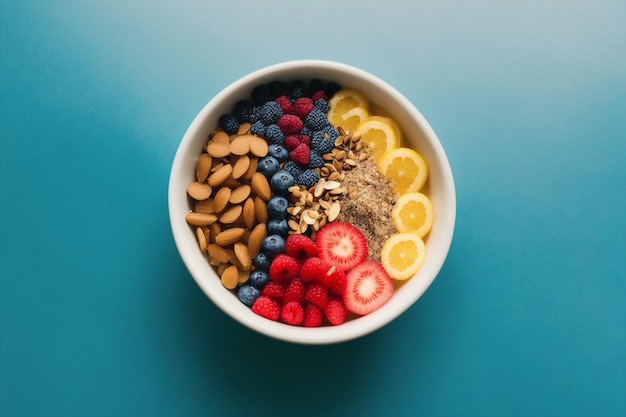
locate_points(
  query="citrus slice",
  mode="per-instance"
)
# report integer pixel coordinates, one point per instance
(413, 212)
(405, 168)
(343, 101)
(379, 136)
(403, 255)
(351, 120)
(392, 123)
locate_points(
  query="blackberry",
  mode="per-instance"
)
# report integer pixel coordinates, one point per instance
(277, 89)
(321, 143)
(256, 113)
(332, 133)
(305, 131)
(316, 161)
(315, 85)
(297, 89)
(292, 168)
(258, 128)
(308, 178)
(321, 105)
(332, 88)
(261, 95)
(243, 111)
(274, 135)
(316, 120)
(229, 124)
(270, 113)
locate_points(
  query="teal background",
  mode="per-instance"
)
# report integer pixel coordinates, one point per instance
(99, 317)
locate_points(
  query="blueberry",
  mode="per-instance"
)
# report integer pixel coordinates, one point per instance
(248, 294)
(259, 279)
(279, 152)
(277, 207)
(262, 262)
(273, 245)
(281, 181)
(278, 227)
(268, 166)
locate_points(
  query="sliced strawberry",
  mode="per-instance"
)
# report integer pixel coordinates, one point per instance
(368, 288)
(342, 245)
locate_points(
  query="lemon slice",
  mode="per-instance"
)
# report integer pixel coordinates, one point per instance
(379, 136)
(351, 120)
(403, 255)
(393, 124)
(413, 212)
(343, 101)
(405, 168)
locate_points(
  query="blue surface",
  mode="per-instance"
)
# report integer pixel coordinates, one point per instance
(99, 317)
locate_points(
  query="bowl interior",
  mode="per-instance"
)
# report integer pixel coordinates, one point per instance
(384, 100)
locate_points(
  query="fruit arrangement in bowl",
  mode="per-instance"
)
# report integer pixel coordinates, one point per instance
(309, 202)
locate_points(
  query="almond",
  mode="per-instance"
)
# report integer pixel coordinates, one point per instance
(261, 186)
(217, 252)
(241, 145)
(200, 219)
(218, 149)
(205, 206)
(260, 209)
(199, 191)
(221, 199)
(255, 240)
(249, 213)
(243, 256)
(220, 175)
(229, 236)
(258, 146)
(220, 136)
(231, 215)
(230, 277)
(241, 166)
(202, 241)
(203, 166)
(239, 194)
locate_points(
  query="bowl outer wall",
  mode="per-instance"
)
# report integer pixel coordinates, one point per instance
(418, 134)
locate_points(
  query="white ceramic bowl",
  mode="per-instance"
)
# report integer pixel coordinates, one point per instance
(417, 133)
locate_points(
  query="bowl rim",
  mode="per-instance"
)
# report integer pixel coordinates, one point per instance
(190, 255)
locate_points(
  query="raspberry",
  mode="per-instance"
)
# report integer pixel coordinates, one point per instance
(275, 290)
(284, 267)
(267, 307)
(292, 313)
(289, 124)
(300, 247)
(313, 269)
(292, 141)
(335, 311)
(317, 294)
(302, 107)
(295, 291)
(315, 160)
(313, 316)
(319, 95)
(292, 168)
(308, 178)
(285, 104)
(228, 123)
(274, 135)
(316, 120)
(270, 112)
(300, 154)
(339, 282)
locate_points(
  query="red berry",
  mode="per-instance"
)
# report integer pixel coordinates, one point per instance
(306, 139)
(339, 282)
(267, 307)
(314, 269)
(284, 267)
(289, 124)
(300, 247)
(319, 94)
(313, 316)
(316, 294)
(274, 289)
(292, 313)
(341, 244)
(369, 287)
(302, 107)
(335, 311)
(291, 142)
(301, 154)
(295, 291)
(285, 104)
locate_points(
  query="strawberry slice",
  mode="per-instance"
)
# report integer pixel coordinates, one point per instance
(369, 288)
(342, 245)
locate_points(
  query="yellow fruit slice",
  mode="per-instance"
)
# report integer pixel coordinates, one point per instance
(343, 101)
(380, 137)
(392, 123)
(351, 120)
(403, 255)
(405, 168)
(413, 212)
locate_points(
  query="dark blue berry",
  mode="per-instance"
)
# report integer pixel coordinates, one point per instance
(281, 181)
(277, 89)
(258, 128)
(316, 120)
(305, 131)
(332, 133)
(279, 152)
(315, 85)
(243, 111)
(262, 262)
(273, 134)
(321, 143)
(332, 88)
(248, 294)
(270, 112)
(297, 89)
(293, 168)
(273, 244)
(254, 116)
(261, 94)
(321, 105)
(268, 166)
(278, 227)
(316, 161)
(308, 178)
(259, 279)
(229, 124)
(277, 207)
